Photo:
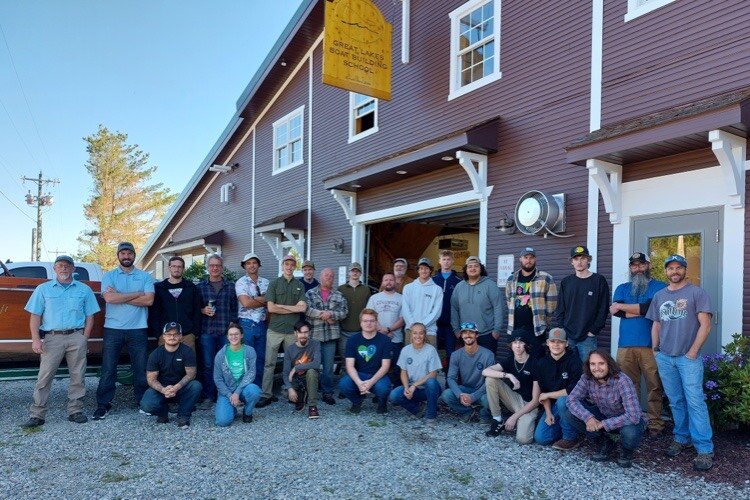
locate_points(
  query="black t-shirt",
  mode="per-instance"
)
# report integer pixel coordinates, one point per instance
(523, 317)
(170, 365)
(554, 375)
(524, 372)
(368, 354)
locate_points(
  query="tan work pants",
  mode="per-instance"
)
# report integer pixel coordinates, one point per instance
(637, 361)
(273, 342)
(56, 346)
(499, 395)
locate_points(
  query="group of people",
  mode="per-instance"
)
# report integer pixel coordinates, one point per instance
(542, 376)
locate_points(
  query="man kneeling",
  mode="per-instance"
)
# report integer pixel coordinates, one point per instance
(170, 373)
(301, 370)
(615, 408)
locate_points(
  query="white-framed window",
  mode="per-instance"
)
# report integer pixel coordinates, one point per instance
(363, 116)
(637, 8)
(288, 248)
(288, 135)
(475, 46)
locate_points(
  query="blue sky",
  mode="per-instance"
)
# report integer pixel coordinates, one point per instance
(166, 73)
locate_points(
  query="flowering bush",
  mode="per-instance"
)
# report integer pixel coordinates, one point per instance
(726, 382)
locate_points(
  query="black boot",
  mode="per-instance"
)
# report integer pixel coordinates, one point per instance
(626, 458)
(606, 446)
(496, 428)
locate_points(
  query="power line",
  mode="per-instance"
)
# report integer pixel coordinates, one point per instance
(19, 208)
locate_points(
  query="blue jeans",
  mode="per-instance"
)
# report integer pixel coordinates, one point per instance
(454, 403)
(429, 392)
(210, 345)
(548, 434)
(114, 340)
(630, 435)
(682, 379)
(348, 388)
(155, 403)
(225, 411)
(328, 353)
(254, 335)
(583, 347)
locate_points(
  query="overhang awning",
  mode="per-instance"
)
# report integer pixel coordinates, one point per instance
(665, 133)
(292, 221)
(291, 226)
(209, 241)
(423, 158)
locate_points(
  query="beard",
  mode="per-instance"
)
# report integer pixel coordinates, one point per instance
(126, 262)
(639, 283)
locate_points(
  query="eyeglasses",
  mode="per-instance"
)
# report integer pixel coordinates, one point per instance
(172, 334)
(369, 320)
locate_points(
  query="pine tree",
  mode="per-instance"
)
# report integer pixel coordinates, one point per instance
(124, 205)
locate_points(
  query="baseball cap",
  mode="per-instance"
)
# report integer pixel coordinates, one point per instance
(65, 258)
(424, 261)
(469, 326)
(638, 257)
(308, 263)
(354, 265)
(579, 250)
(247, 257)
(675, 258)
(401, 259)
(172, 325)
(557, 334)
(289, 257)
(125, 245)
(527, 251)
(473, 260)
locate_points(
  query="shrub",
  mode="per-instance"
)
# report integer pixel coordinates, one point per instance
(197, 272)
(726, 379)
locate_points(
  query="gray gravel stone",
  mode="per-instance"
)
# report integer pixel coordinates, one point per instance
(282, 454)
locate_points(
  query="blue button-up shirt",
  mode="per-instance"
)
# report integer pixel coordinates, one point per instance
(62, 306)
(127, 316)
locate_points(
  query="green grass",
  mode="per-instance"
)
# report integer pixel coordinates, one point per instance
(32, 430)
(375, 423)
(460, 477)
(116, 477)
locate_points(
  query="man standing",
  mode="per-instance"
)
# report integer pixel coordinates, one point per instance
(356, 294)
(557, 374)
(219, 301)
(604, 402)
(477, 300)
(326, 307)
(368, 359)
(63, 309)
(532, 298)
(446, 279)
(171, 377)
(583, 304)
(128, 293)
(286, 300)
(251, 293)
(178, 300)
(634, 355)
(466, 366)
(681, 313)
(300, 373)
(308, 276)
(400, 266)
(387, 304)
(423, 301)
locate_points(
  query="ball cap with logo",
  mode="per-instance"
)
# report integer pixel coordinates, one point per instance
(308, 263)
(424, 261)
(65, 258)
(355, 265)
(675, 258)
(557, 334)
(125, 245)
(289, 257)
(527, 251)
(579, 250)
(638, 257)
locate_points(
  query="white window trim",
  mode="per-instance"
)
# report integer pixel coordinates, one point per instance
(638, 8)
(276, 169)
(355, 137)
(455, 89)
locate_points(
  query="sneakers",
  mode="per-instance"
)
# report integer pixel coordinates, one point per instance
(206, 404)
(496, 428)
(100, 413)
(162, 419)
(676, 448)
(247, 419)
(703, 462)
(356, 408)
(430, 422)
(264, 402)
(78, 418)
(312, 412)
(328, 399)
(33, 422)
(144, 412)
(606, 447)
(625, 459)
(567, 444)
(299, 404)
(183, 422)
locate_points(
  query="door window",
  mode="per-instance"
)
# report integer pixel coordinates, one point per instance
(688, 245)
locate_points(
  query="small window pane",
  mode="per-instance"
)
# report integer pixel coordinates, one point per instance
(476, 17)
(488, 10)
(489, 66)
(687, 245)
(296, 151)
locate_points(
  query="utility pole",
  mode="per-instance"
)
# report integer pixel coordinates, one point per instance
(39, 201)
(57, 252)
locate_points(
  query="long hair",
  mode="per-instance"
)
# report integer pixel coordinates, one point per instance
(614, 368)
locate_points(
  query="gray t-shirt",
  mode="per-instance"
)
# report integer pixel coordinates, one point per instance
(388, 307)
(419, 362)
(677, 312)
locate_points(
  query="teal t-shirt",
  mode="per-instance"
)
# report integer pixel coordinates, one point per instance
(236, 362)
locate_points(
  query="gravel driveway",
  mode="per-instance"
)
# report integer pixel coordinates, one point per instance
(285, 455)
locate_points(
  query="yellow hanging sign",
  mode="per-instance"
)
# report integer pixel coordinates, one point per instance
(357, 48)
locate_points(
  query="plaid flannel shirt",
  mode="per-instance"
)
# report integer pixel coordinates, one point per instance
(615, 398)
(543, 300)
(322, 330)
(225, 303)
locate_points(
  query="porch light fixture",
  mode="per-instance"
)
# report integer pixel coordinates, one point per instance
(356, 186)
(401, 172)
(446, 158)
(283, 62)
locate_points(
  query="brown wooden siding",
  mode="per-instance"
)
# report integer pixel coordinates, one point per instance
(679, 53)
(685, 162)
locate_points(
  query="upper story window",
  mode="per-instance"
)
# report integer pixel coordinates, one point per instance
(475, 46)
(363, 116)
(637, 8)
(287, 141)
